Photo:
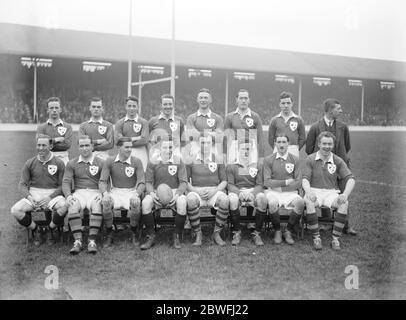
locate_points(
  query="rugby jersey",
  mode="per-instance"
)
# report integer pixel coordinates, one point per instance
(160, 127)
(172, 173)
(206, 173)
(84, 175)
(43, 175)
(201, 122)
(137, 127)
(325, 175)
(279, 168)
(61, 129)
(294, 128)
(250, 121)
(101, 129)
(123, 174)
(239, 177)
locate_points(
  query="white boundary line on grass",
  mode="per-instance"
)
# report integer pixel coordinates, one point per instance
(381, 184)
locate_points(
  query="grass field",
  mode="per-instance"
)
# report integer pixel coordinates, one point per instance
(210, 272)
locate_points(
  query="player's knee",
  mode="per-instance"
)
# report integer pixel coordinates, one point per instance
(181, 204)
(299, 205)
(261, 201)
(234, 201)
(272, 204)
(96, 206)
(147, 204)
(17, 212)
(192, 201)
(343, 209)
(223, 202)
(74, 207)
(61, 208)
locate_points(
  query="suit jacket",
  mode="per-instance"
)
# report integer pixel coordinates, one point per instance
(342, 144)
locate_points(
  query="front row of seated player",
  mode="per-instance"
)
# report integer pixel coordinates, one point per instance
(200, 182)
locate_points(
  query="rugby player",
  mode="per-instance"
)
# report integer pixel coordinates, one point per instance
(282, 178)
(207, 182)
(83, 173)
(289, 123)
(245, 188)
(204, 121)
(100, 131)
(166, 126)
(41, 187)
(59, 131)
(168, 169)
(321, 175)
(135, 127)
(342, 146)
(241, 125)
(127, 187)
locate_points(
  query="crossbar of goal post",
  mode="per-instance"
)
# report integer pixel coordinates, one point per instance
(142, 83)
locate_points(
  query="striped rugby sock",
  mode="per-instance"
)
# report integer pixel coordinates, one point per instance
(339, 223)
(95, 223)
(75, 224)
(194, 218)
(313, 224)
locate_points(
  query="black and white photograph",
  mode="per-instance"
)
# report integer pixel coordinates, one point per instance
(216, 151)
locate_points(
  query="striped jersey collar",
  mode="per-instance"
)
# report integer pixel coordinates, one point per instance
(96, 121)
(284, 157)
(60, 122)
(208, 114)
(330, 159)
(248, 113)
(82, 160)
(129, 119)
(128, 160)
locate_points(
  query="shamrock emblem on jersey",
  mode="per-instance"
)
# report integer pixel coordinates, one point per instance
(102, 129)
(212, 166)
(52, 169)
(249, 122)
(173, 125)
(137, 127)
(61, 130)
(93, 170)
(253, 172)
(293, 125)
(172, 169)
(289, 167)
(129, 171)
(210, 122)
(331, 167)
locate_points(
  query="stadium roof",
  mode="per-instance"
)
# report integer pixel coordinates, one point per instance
(38, 41)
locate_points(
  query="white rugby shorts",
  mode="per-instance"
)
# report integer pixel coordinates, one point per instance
(326, 197)
(40, 193)
(121, 197)
(86, 197)
(284, 198)
(210, 202)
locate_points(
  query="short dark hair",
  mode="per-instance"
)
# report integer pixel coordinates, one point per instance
(132, 98)
(52, 99)
(44, 136)
(95, 99)
(326, 134)
(329, 104)
(242, 90)
(285, 95)
(168, 96)
(83, 137)
(121, 141)
(204, 90)
(281, 135)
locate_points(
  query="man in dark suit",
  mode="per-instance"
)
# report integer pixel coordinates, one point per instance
(330, 122)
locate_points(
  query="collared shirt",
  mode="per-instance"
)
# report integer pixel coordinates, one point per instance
(173, 174)
(162, 116)
(293, 127)
(201, 114)
(126, 118)
(61, 129)
(329, 123)
(98, 130)
(206, 174)
(242, 115)
(161, 128)
(83, 174)
(284, 157)
(128, 160)
(60, 122)
(325, 175)
(279, 169)
(81, 159)
(96, 121)
(127, 174)
(239, 176)
(43, 175)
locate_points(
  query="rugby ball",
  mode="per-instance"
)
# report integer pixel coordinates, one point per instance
(164, 193)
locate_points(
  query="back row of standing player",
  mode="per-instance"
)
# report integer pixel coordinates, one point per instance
(243, 125)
